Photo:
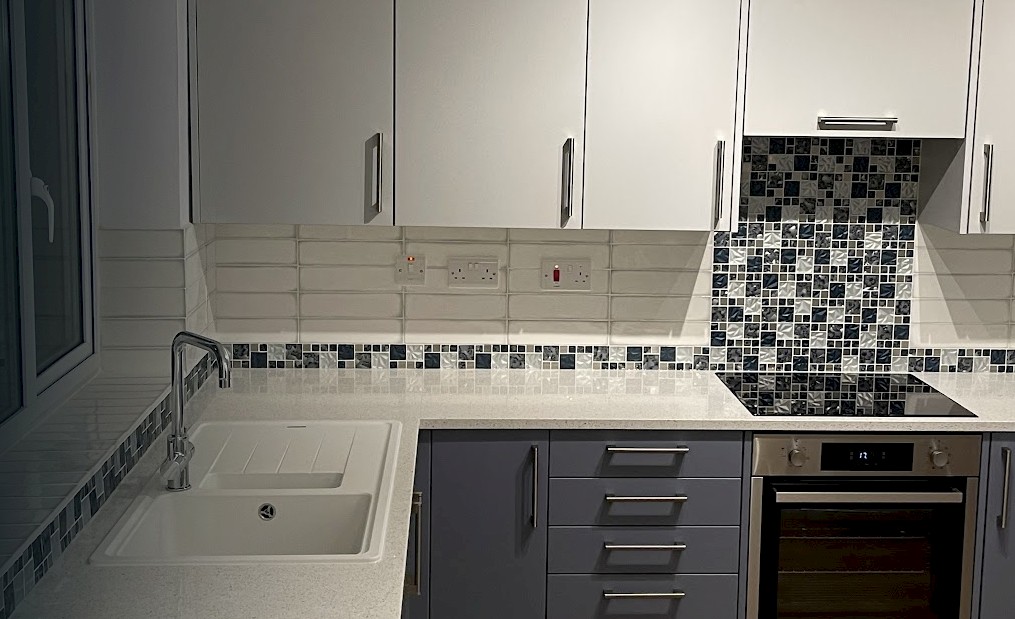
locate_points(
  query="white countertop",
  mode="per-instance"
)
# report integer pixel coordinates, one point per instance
(424, 399)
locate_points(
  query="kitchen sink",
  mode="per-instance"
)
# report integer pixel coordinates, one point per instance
(266, 492)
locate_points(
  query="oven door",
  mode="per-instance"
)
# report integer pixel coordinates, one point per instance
(861, 548)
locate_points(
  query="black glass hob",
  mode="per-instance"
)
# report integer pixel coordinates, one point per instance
(859, 395)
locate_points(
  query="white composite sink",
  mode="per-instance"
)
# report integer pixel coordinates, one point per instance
(263, 492)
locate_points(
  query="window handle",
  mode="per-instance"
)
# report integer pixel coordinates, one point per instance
(41, 190)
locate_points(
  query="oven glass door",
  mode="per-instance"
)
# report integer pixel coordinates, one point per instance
(862, 549)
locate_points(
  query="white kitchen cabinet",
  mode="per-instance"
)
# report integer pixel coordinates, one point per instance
(661, 106)
(489, 110)
(992, 178)
(294, 111)
(860, 59)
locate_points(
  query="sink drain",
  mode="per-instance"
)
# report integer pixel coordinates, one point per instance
(266, 511)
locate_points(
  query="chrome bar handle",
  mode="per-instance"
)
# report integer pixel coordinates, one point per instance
(612, 498)
(670, 595)
(647, 450)
(791, 498)
(886, 123)
(609, 546)
(535, 486)
(415, 586)
(379, 174)
(988, 181)
(1002, 520)
(567, 183)
(720, 171)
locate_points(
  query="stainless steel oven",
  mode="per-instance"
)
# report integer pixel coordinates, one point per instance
(862, 526)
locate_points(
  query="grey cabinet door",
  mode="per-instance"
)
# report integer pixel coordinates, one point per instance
(998, 593)
(416, 599)
(488, 527)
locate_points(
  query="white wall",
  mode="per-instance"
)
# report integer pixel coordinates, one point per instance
(140, 147)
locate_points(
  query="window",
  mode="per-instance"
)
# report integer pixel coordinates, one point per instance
(46, 324)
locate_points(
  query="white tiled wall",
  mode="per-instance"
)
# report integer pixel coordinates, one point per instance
(962, 290)
(336, 284)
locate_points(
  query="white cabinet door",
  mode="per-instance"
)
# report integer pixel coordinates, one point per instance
(993, 195)
(662, 79)
(905, 59)
(488, 95)
(292, 96)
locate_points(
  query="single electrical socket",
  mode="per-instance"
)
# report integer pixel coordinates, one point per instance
(566, 274)
(473, 273)
(410, 270)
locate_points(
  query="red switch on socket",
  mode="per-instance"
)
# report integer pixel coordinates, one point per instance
(556, 275)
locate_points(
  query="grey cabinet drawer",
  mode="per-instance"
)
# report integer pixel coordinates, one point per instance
(643, 454)
(714, 502)
(580, 596)
(618, 550)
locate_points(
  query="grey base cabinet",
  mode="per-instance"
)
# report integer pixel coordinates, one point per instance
(416, 598)
(488, 524)
(997, 598)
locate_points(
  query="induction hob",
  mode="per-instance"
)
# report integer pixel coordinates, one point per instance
(856, 395)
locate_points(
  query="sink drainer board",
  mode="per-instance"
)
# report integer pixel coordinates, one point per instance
(266, 492)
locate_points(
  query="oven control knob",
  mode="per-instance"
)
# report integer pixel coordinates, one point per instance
(939, 458)
(797, 457)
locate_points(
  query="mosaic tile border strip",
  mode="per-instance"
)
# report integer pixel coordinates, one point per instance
(568, 357)
(20, 574)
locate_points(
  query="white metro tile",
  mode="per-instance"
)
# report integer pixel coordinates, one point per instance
(255, 251)
(961, 311)
(547, 235)
(135, 362)
(455, 332)
(348, 278)
(944, 286)
(256, 279)
(660, 257)
(558, 306)
(475, 235)
(939, 238)
(350, 330)
(557, 332)
(140, 244)
(142, 273)
(963, 261)
(139, 333)
(142, 302)
(351, 305)
(247, 231)
(351, 233)
(938, 335)
(348, 252)
(671, 333)
(445, 306)
(661, 282)
(661, 308)
(266, 330)
(529, 256)
(254, 304)
(661, 237)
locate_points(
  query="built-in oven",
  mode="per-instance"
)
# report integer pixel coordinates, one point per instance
(862, 526)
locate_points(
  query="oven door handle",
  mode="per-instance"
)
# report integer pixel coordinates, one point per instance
(785, 497)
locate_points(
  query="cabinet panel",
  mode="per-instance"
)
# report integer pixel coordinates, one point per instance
(416, 599)
(615, 550)
(994, 127)
(662, 79)
(290, 97)
(488, 526)
(584, 501)
(487, 95)
(997, 593)
(877, 58)
(582, 596)
(599, 453)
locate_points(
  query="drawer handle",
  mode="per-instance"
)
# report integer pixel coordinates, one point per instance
(612, 498)
(873, 122)
(416, 514)
(667, 595)
(613, 449)
(667, 547)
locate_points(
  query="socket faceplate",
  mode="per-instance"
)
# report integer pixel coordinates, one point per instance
(566, 274)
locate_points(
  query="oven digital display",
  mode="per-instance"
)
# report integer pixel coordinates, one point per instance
(866, 456)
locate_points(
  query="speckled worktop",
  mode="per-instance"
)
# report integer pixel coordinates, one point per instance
(423, 399)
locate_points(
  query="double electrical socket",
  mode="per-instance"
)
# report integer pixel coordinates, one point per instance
(566, 274)
(473, 273)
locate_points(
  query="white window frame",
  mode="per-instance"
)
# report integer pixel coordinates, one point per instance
(43, 391)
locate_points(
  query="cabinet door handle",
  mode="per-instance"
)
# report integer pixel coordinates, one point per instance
(535, 486)
(885, 123)
(612, 498)
(663, 595)
(567, 183)
(414, 587)
(379, 174)
(1002, 520)
(647, 450)
(720, 172)
(666, 547)
(988, 181)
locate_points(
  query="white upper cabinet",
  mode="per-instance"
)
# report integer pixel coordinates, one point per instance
(294, 111)
(659, 139)
(490, 98)
(992, 182)
(867, 61)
